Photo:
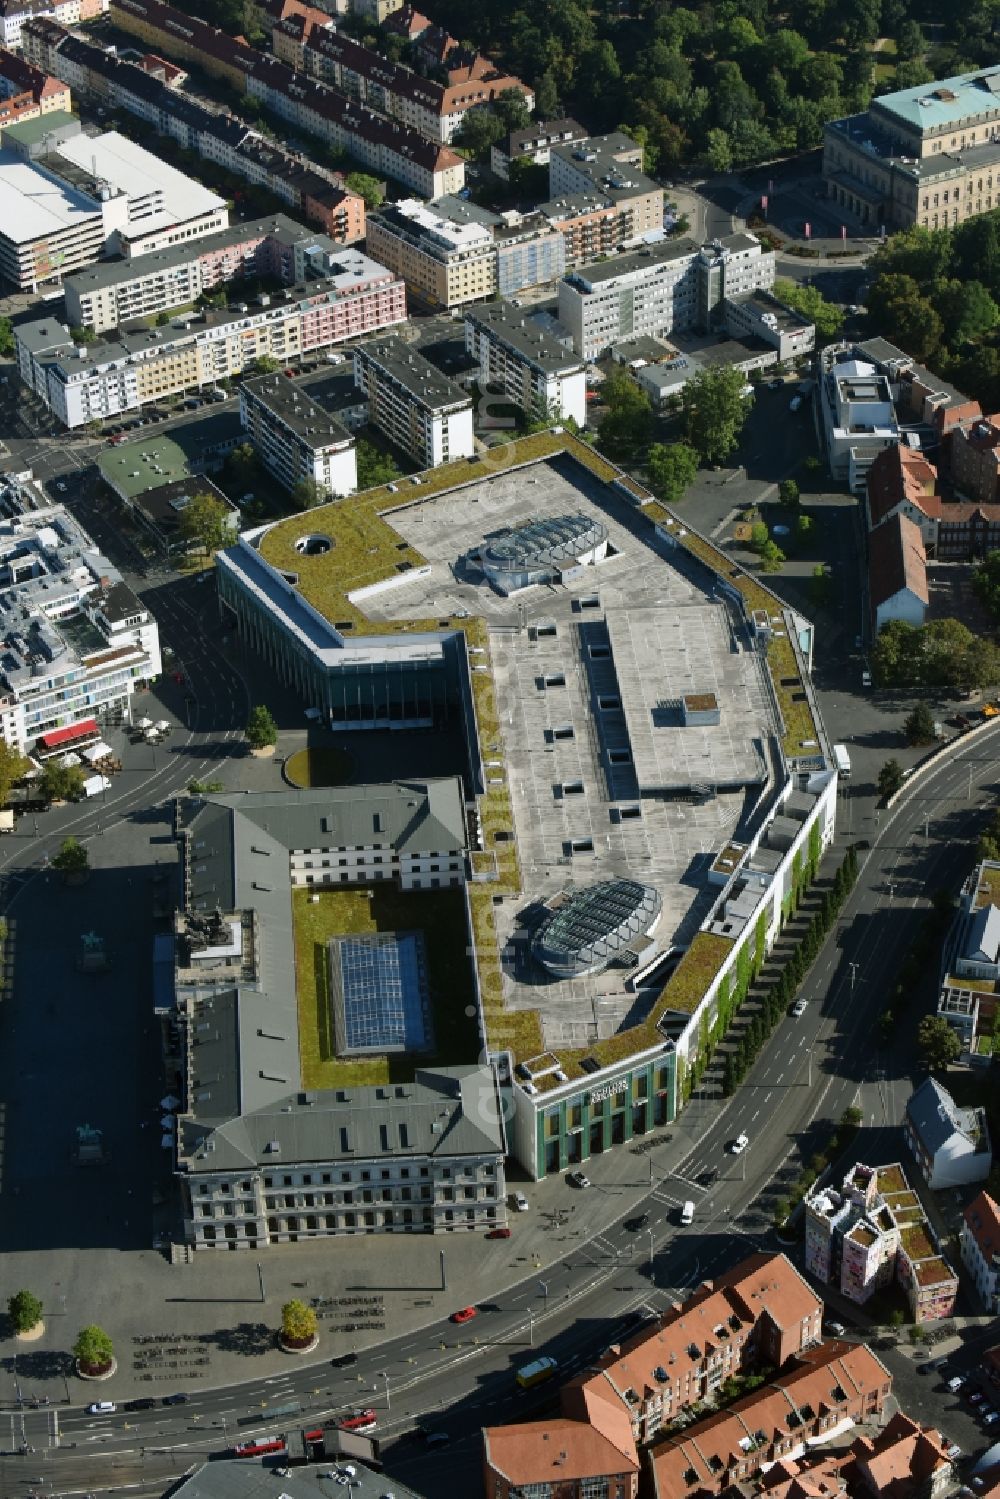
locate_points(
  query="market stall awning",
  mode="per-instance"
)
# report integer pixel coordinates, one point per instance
(75, 735)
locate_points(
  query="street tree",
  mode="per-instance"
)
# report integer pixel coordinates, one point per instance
(989, 839)
(938, 1042)
(986, 582)
(12, 767)
(672, 469)
(367, 187)
(625, 428)
(72, 858)
(261, 727)
(811, 304)
(6, 337)
(308, 493)
(715, 411)
(788, 492)
(919, 725)
(890, 778)
(24, 1310)
(967, 309)
(203, 522)
(759, 537)
(771, 557)
(93, 1350)
(804, 527)
(265, 364)
(298, 1323)
(60, 783)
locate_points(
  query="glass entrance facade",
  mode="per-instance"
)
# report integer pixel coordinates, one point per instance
(597, 1118)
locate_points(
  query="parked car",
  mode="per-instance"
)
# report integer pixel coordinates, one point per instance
(795, 403)
(834, 1329)
(519, 1202)
(709, 1178)
(434, 1438)
(634, 1225)
(102, 1408)
(175, 1400)
(147, 1403)
(990, 1418)
(578, 1179)
(465, 1315)
(955, 1383)
(499, 1233)
(343, 1361)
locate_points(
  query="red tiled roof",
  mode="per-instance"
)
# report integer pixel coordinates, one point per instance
(899, 474)
(554, 1451)
(896, 560)
(983, 1219)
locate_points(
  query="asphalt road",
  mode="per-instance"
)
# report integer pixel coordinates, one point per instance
(812, 1070)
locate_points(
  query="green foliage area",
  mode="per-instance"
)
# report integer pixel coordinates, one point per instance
(308, 493)
(939, 1044)
(24, 1310)
(919, 725)
(367, 187)
(989, 842)
(986, 582)
(923, 957)
(12, 767)
(6, 337)
(811, 304)
(624, 430)
(72, 857)
(890, 778)
(60, 783)
(375, 466)
(941, 654)
(672, 468)
(298, 1322)
(936, 293)
(788, 492)
(715, 410)
(261, 727)
(93, 1348)
(203, 522)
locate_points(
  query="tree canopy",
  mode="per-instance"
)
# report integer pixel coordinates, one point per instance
(715, 410)
(204, 521)
(811, 304)
(367, 187)
(93, 1348)
(938, 1043)
(375, 465)
(24, 1310)
(624, 430)
(672, 468)
(12, 767)
(261, 727)
(943, 653)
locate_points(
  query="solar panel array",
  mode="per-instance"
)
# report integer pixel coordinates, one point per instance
(380, 993)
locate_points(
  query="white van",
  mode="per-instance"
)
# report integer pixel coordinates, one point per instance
(687, 1213)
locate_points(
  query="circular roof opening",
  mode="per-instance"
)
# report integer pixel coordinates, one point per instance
(313, 545)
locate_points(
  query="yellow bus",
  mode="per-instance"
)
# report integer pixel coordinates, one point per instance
(535, 1373)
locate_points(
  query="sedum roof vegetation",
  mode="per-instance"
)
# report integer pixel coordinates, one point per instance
(365, 550)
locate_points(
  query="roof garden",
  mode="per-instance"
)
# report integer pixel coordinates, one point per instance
(914, 1240)
(934, 1272)
(366, 549)
(987, 892)
(891, 1179)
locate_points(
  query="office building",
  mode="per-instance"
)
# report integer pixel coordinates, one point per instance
(651, 291)
(413, 404)
(600, 199)
(93, 381)
(928, 155)
(76, 641)
(296, 439)
(950, 1144)
(517, 356)
(260, 1160)
(107, 296)
(859, 417)
(533, 144)
(979, 1244)
(873, 1231)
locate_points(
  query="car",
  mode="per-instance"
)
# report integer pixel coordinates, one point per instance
(519, 1202)
(990, 1418)
(289, 373)
(955, 1383)
(634, 1225)
(739, 1145)
(799, 1008)
(102, 1408)
(499, 1233)
(147, 1403)
(834, 1329)
(578, 1179)
(465, 1315)
(343, 1360)
(61, 486)
(434, 1438)
(709, 1178)
(775, 384)
(795, 403)
(175, 1400)
(687, 1213)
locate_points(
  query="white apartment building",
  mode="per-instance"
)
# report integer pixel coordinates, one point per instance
(76, 641)
(649, 292)
(529, 365)
(295, 438)
(418, 408)
(14, 13)
(355, 297)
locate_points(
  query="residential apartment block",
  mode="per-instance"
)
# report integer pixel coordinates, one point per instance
(534, 144)
(873, 1231)
(928, 155)
(971, 984)
(15, 13)
(353, 298)
(303, 185)
(600, 199)
(106, 296)
(951, 1145)
(663, 286)
(21, 80)
(77, 641)
(418, 408)
(387, 146)
(759, 1313)
(823, 1393)
(436, 110)
(450, 252)
(517, 356)
(979, 1245)
(296, 439)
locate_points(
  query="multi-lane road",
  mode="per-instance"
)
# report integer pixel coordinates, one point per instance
(457, 1379)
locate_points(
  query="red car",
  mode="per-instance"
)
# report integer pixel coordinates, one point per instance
(465, 1315)
(499, 1233)
(363, 1420)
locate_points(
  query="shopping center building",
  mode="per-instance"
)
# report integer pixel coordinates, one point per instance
(647, 703)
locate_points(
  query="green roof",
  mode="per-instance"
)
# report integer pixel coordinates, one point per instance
(33, 132)
(164, 458)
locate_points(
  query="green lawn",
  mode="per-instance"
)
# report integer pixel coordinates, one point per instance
(440, 915)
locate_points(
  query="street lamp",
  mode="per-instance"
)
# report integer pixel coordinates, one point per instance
(854, 974)
(388, 1402)
(652, 1261)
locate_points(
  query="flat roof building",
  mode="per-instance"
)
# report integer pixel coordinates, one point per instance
(516, 355)
(534, 144)
(600, 199)
(296, 439)
(418, 408)
(75, 641)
